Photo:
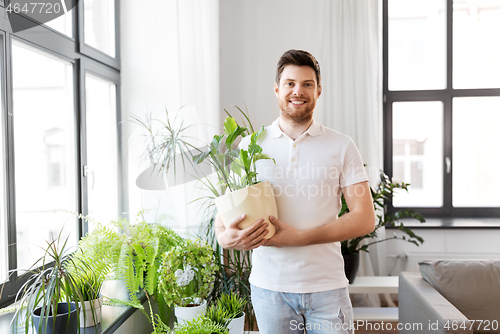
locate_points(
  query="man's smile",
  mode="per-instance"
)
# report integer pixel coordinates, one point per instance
(297, 102)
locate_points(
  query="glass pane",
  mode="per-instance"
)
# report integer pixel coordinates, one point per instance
(102, 149)
(100, 25)
(63, 24)
(4, 264)
(476, 44)
(418, 153)
(44, 148)
(417, 44)
(476, 151)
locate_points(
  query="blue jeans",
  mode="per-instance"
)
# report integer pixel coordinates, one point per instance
(292, 313)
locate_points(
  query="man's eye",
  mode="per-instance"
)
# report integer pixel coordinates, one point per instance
(289, 84)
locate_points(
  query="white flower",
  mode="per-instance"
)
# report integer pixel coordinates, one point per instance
(184, 277)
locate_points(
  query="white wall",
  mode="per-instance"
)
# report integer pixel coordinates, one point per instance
(253, 36)
(149, 81)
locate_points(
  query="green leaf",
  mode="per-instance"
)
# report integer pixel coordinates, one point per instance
(197, 159)
(230, 126)
(245, 161)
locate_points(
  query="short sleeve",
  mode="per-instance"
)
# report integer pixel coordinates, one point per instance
(353, 170)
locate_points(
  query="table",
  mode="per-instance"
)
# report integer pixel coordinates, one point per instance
(376, 284)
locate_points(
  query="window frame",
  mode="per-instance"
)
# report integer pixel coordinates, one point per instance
(446, 97)
(70, 49)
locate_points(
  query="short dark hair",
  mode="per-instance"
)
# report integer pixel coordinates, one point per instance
(298, 58)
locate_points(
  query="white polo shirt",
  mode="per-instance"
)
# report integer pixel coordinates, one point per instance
(307, 180)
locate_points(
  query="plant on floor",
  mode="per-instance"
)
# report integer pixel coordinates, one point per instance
(384, 191)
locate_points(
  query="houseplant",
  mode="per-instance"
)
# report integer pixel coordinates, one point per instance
(186, 277)
(384, 191)
(236, 172)
(198, 325)
(234, 265)
(51, 289)
(233, 306)
(100, 249)
(140, 258)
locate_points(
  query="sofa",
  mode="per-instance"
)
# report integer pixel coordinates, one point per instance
(450, 297)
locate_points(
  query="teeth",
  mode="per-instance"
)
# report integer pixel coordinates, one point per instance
(298, 102)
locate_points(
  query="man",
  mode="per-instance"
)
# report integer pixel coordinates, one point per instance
(297, 278)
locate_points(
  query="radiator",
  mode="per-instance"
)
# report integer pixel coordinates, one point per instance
(412, 259)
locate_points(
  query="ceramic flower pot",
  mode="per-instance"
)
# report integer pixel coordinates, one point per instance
(61, 325)
(237, 325)
(255, 202)
(87, 319)
(190, 312)
(351, 265)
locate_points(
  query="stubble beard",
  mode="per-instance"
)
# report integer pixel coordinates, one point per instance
(297, 118)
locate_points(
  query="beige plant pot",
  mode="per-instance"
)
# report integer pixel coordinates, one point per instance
(255, 202)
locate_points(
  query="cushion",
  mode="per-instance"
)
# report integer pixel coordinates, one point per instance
(473, 287)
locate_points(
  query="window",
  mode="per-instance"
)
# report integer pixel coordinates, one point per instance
(4, 264)
(442, 105)
(44, 149)
(99, 25)
(58, 120)
(102, 148)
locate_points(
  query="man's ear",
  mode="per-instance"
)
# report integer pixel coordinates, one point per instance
(320, 89)
(276, 89)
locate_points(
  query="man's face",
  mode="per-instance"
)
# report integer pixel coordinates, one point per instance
(297, 93)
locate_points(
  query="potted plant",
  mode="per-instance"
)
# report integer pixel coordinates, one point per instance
(231, 307)
(238, 191)
(100, 249)
(186, 277)
(198, 325)
(384, 191)
(140, 257)
(49, 300)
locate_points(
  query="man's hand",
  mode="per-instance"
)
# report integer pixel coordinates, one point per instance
(285, 235)
(234, 238)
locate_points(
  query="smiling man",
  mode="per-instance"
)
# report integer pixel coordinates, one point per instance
(297, 280)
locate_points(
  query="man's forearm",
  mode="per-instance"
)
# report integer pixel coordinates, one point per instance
(350, 225)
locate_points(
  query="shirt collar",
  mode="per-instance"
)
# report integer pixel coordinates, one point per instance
(275, 130)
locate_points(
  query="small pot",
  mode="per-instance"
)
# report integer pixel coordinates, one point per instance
(351, 265)
(237, 325)
(255, 202)
(190, 312)
(87, 318)
(61, 325)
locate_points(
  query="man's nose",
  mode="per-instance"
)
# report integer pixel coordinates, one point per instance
(297, 90)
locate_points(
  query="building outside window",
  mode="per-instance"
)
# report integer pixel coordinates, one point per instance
(442, 104)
